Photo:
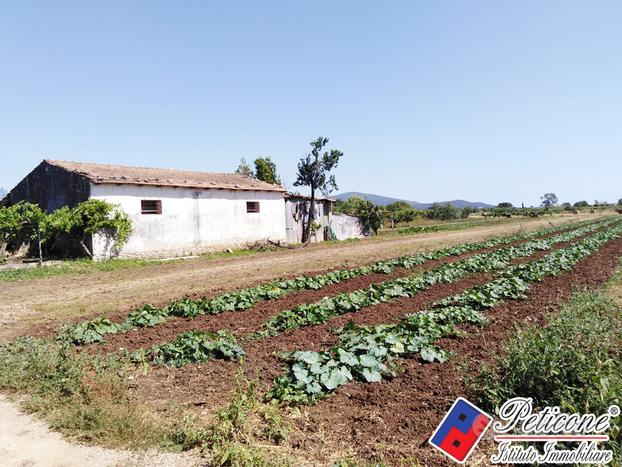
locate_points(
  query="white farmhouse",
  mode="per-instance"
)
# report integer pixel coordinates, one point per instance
(173, 212)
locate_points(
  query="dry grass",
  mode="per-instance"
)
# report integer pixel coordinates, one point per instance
(615, 285)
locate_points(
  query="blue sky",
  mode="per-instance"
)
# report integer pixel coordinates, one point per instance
(481, 100)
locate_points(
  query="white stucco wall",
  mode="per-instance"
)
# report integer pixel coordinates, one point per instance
(192, 221)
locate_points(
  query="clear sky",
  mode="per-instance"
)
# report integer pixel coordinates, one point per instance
(429, 100)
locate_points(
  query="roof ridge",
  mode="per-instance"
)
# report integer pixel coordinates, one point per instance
(58, 161)
(116, 173)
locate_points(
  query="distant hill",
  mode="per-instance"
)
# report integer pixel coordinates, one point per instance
(384, 200)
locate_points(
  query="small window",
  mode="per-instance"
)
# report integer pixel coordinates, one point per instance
(252, 206)
(151, 206)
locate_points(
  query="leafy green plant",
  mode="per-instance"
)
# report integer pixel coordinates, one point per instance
(365, 354)
(192, 347)
(578, 373)
(330, 307)
(246, 298)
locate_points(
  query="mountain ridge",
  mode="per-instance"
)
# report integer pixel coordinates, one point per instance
(385, 200)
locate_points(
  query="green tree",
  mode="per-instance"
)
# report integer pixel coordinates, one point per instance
(100, 217)
(443, 211)
(505, 204)
(314, 171)
(265, 170)
(370, 215)
(19, 222)
(549, 200)
(466, 211)
(620, 202)
(581, 204)
(399, 211)
(244, 168)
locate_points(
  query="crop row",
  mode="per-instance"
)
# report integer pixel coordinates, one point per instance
(367, 354)
(191, 347)
(330, 307)
(93, 331)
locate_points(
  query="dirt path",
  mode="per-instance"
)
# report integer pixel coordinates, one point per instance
(58, 298)
(26, 441)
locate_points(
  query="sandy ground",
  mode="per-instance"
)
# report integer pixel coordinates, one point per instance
(56, 299)
(26, 441)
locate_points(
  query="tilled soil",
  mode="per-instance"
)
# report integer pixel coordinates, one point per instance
(243, 323)
(58, 299)
(393, 420)
(209, 384)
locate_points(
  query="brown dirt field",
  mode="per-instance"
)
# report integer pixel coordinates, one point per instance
(243, 323)
(210, 383)
(391, 420)
(56, 299)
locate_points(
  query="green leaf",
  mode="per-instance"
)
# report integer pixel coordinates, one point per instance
(372, 376)
(433, 353)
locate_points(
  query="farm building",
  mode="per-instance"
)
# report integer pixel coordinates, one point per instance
(296, 213)
(173, 212)
(328, 225)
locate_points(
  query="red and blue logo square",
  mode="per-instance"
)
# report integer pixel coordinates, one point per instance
(460, 430)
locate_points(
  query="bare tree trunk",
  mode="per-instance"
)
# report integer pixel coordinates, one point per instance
(4, 244)
(40, 250)
(306, 233)
(85, 248)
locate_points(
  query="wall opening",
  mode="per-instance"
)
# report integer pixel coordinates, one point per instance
(151, 206)
(252, 206)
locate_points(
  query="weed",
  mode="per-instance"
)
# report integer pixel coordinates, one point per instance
(77, 395)
(241, 432)
(573, 362)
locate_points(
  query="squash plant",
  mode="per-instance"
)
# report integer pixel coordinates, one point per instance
(367, 354)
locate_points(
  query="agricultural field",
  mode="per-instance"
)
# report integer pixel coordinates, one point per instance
(350, 364)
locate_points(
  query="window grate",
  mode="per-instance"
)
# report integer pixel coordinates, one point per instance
(252, 206)
(151, 206)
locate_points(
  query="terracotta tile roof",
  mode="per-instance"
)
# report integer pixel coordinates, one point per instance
(119, 174)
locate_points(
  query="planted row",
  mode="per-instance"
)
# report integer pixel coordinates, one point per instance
(185, 354)
(367, 353)
(191, 347)
(197, 346)
(331, 307)
(93, 331)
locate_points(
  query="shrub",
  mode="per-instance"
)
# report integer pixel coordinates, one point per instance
(573, 362)
(76, 394)
(444, 212)
(26, 221)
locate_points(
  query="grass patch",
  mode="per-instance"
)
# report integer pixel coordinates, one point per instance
(246, 431)
(90, 398)
(80, 396)
(87, 265)
(572, 362)
(74, 266)
(234, 253)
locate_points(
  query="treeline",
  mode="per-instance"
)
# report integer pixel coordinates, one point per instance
(402, 213)
(25, 225)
